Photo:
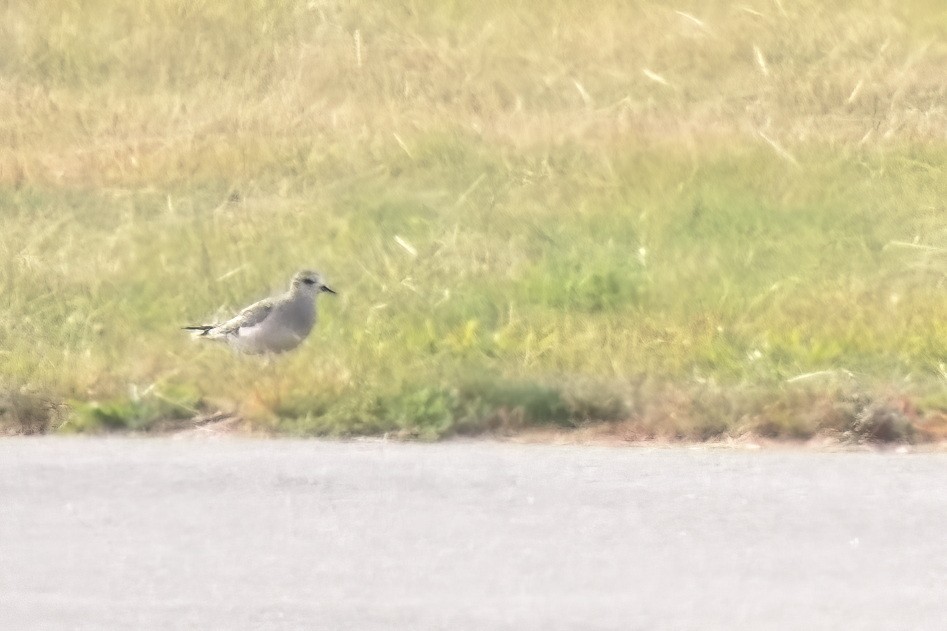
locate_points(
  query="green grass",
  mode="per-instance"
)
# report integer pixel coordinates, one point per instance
(586, 242)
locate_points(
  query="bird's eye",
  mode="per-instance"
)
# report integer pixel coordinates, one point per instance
(309, 281)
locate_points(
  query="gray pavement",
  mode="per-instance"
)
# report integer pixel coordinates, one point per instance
(276, 534)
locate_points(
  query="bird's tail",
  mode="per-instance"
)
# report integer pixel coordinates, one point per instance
(203, 328)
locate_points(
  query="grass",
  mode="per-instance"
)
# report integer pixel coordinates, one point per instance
(693, 221)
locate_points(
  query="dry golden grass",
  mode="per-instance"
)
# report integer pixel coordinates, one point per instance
(135, 94)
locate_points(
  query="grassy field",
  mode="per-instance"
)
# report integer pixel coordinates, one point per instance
(694, 219)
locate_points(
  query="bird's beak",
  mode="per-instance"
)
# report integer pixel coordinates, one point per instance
(328, 289)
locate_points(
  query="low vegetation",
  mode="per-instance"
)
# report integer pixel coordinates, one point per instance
(689, 221)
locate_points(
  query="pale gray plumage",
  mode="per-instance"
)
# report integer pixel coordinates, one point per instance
(272, 325)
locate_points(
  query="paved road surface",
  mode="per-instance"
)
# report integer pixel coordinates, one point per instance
(276, 534)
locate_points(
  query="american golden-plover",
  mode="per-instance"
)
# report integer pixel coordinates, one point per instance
(273, 325)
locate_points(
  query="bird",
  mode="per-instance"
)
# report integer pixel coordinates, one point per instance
(273, 325)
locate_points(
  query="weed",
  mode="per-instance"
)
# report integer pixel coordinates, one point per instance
(521, 227)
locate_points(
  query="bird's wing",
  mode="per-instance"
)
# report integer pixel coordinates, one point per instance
(252, 315)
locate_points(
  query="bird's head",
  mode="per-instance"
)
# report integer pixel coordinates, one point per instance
(310, 282)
